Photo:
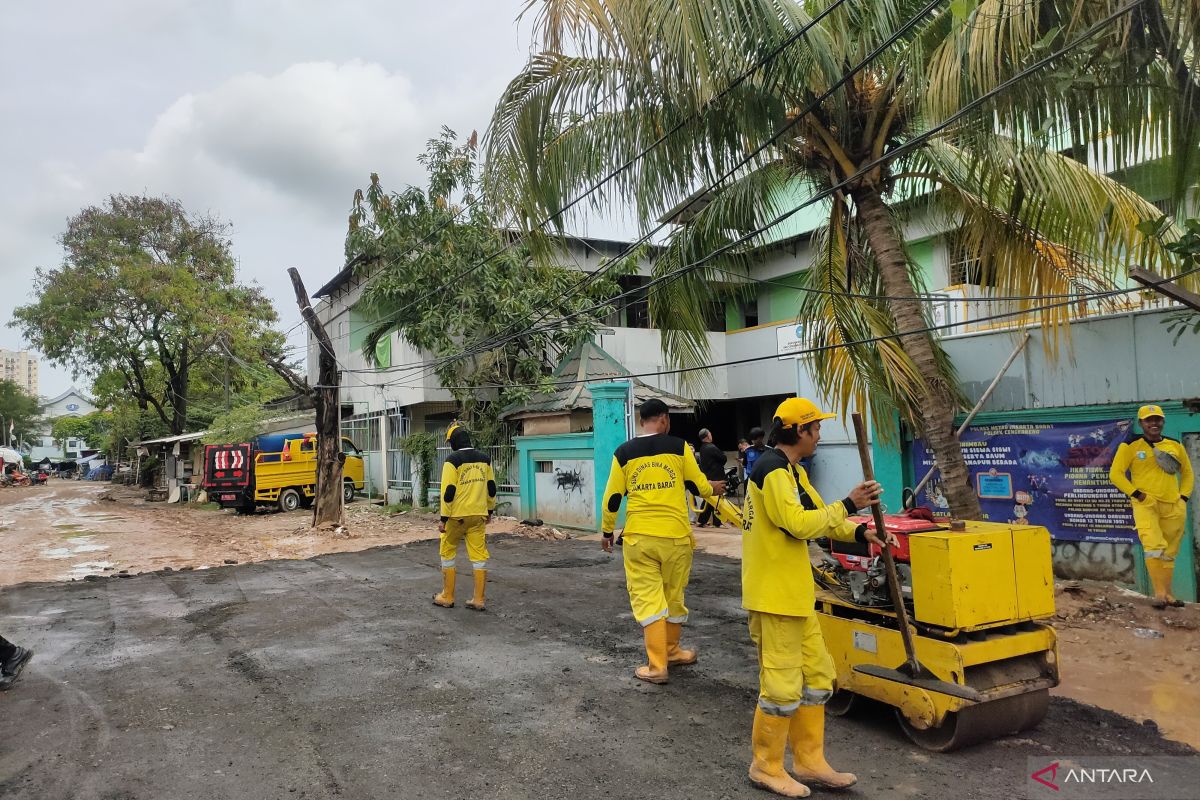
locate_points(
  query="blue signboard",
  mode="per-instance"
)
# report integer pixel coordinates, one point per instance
(1042, 473)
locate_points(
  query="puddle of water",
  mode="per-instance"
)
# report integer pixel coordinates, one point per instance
(81, 534)
(82, 544)
(80, 571)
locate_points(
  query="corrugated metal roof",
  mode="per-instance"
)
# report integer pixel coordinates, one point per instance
(191, 437)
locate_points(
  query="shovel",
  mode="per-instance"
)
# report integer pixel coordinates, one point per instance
(910, 672)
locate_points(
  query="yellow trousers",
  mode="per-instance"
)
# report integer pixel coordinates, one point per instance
(1160, 526)
(656, 575)
(794, 666)
(475, 531)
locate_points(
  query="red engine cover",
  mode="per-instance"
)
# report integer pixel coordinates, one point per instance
(900, 524)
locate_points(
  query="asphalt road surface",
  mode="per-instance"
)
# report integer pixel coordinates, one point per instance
(336, 677)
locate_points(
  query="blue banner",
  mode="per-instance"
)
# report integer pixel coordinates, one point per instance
(1042, 473)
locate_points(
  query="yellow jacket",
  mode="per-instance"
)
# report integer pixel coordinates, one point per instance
(783, 511)
(1135, 456)
(468, 485)
(654, 472)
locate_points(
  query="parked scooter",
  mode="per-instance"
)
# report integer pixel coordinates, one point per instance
(732, 481)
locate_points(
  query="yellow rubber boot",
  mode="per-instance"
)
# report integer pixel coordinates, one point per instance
(445, 598)
(1168, 573)
(676, 655)
(476, 602)
(807, 736)
(769, 740)
(1160, 577)
(656, 653)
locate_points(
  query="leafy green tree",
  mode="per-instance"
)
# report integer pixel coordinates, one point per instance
(412, 242)
(611, 78)
(240, 424)
(95, 429)
(65, 428)
(147, 296)
(20, 412)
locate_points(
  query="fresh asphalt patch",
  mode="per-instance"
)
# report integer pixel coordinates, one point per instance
(336, 677)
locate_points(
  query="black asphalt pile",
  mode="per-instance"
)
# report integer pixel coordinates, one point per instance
(336, 677)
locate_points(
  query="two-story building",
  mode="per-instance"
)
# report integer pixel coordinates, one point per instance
(71, 403)
(1118, 355)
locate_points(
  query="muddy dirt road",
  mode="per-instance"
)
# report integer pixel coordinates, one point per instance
(335, 677)
(65, 532)
(68, 530)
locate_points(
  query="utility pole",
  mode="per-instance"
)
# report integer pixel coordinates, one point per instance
(328, 503)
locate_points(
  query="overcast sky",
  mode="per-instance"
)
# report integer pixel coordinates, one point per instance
(268, 113)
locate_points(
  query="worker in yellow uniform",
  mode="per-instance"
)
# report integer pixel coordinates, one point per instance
(468, 500)
(655, 470)
(795, 671)
(1155, 472)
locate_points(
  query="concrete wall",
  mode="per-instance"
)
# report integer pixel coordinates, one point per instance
(1124, 358)
(564, 494)
(640, 351)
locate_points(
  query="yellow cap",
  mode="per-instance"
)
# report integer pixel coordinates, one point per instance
(1151, 411)
(453, 427)
(800, 411)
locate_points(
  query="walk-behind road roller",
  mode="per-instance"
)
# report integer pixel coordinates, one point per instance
(977, 600)
(948, 627)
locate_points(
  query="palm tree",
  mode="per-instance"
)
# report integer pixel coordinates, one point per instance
(1130, 95)
(612, 77)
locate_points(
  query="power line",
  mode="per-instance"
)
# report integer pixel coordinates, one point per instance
(845, 78)
(739, 80)
(841, 345)
(901, 150)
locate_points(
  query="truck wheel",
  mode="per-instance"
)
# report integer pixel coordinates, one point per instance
(348, 491)
(289, 500)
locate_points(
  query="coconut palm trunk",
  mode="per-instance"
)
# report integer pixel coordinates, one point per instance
(992, 182)
(939, 407)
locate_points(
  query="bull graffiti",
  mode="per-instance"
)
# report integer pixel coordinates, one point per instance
(569, 480)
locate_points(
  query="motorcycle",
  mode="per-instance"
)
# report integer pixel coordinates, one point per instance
(732, 481)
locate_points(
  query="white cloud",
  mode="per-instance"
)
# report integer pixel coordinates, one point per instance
(278, 155)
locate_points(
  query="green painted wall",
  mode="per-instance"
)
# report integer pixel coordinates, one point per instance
(360, 326)
(778, 303)
(921, 253)
(734, 318)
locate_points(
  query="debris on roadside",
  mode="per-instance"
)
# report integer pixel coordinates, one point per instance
(545, 533)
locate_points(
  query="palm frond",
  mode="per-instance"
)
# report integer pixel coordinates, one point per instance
(842, 325)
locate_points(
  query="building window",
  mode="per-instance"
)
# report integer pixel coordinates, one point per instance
(633, 311)
(714, 316)
(964, 268)
(543, 467)
(750, 313)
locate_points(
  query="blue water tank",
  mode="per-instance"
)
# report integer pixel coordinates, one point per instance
(274, 442)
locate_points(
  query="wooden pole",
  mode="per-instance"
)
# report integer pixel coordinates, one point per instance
(327, 507)
(1152, 280)
(864, 455)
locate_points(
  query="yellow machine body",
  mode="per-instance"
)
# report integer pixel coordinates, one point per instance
(987, 575)
(980, 598)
